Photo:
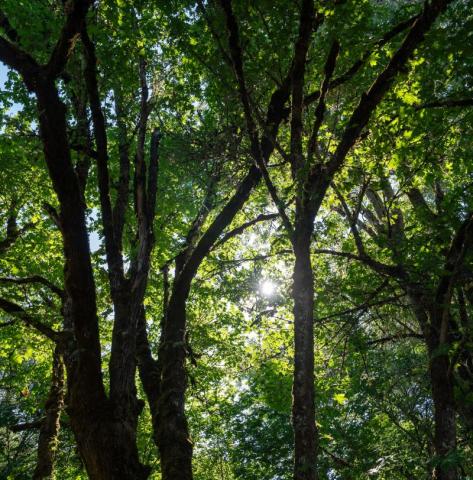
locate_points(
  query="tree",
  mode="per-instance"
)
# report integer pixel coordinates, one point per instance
(312, 177)
(166, 167)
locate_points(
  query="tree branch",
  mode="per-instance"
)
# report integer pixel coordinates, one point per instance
(13, 233)
(382, 268)
(34, 279)
(350, 73)
(17, 311)
(121, 202)
(114, 255)
(21, 427)
(152, 189)
(321, 107)
(256, 150)
(397, 336)
(297, 88)
(241, 228)
(419, 203)
(446, 103)
(20, 61)
(371, 99)
(461, 243)
(75, 23)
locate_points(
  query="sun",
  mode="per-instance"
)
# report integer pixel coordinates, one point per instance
(267, 288)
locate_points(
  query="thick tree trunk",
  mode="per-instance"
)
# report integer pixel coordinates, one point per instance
(149, 371)
(173, 439)
(49, 430)
(105, 443)
(123, 395)
(100, 440)
(441, 381)
(443, 396)
(303, 407)
(444, 416)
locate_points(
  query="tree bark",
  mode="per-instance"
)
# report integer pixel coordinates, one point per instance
(443, 397)
(49, 430)
(441, 382)
(303, 406)
(98, 434)
(444, 416)
(149, 370)
(463, 377)
(102, 439)
(172, 435)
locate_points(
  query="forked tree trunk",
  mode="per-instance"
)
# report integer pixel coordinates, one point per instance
(165, 380)
(106, 444)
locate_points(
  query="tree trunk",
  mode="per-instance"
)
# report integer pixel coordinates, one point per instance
(123, 395)
(49, 430)
(441, 381)
(444, 416)
(464, 383)
(105, 443)
(443, 396)
(303, 407)
(149, 371)
(175, 446)
(464, 373)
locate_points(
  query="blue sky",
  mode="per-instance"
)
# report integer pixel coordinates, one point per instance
(3, 79)
(3, 74)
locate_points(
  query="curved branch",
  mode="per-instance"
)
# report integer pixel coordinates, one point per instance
(382, 268)
(17, 311)
(241, 228)
(355, 68)
(256, 148)
(34, 279)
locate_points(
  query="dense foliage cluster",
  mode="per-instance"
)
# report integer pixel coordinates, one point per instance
(236, 239)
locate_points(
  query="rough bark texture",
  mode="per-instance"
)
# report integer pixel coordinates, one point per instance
(99, 434)
(49, 430)
(464, 375)
(303, 405)
(442, 384)
(149, 370)
(445, 433)
(175, 446)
